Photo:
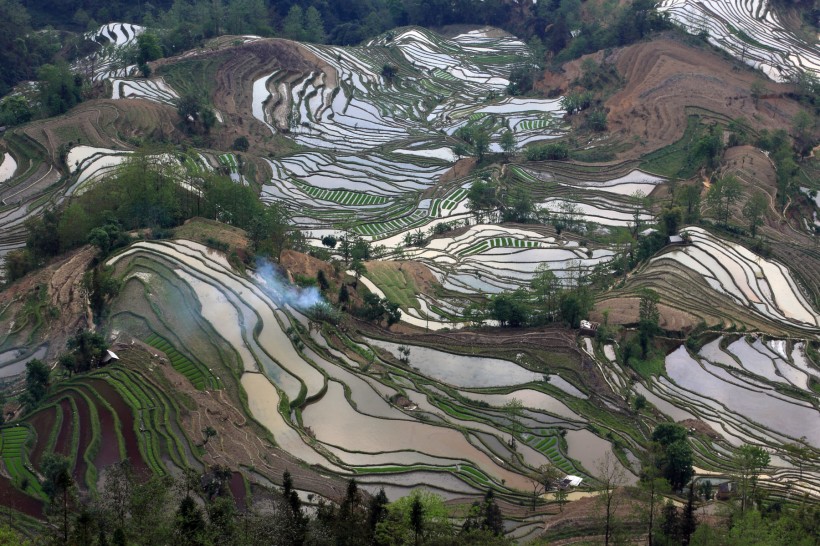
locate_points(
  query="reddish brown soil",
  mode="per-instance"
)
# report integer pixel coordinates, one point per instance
(17, 500)
(85, 439)
(132, 449)
(462, 168)
(108, 451)
(63, 443)
(43, 423)
(297, 263)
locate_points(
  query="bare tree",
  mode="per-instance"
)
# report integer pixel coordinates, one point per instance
(612, 476)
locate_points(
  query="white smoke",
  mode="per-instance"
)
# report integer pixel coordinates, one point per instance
(284, 293)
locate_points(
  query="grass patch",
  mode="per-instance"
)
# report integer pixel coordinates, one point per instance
(195, 373)
(673, 160)
(396, 284)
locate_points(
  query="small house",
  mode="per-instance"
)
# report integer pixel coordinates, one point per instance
(588, 328)
(109, 357)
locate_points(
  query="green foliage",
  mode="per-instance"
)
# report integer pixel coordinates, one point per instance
(60, 89)
(148, 48)
(755, 211)
(510, 309)
(37, 383)
(195, 116)
(576, 101)
(482, 197)
(87, 350)
(15, 110)
(241, 144)
(723, 194)
(549, 151)
(521, 80)
(675, 456)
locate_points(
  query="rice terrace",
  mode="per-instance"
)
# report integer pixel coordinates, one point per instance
(405, 272)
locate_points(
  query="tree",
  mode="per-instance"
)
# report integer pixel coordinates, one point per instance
(60, 89)
(87, 348)
(675, 460)
(59, 486)
(724, 193)
(612, 476)
(189, 524)
(101, 287)
(148, 48)
(314, 26)
(15, 110)
(376, 512)
(293, 24)
(755, 210)
(389, 72)
(508, 142)
(37, 383)
(650, 490)
(209, 432)
(481, 144)
(417, 519)
(749, 461)
(485, 515)
(514, 409)
(670, 219)
(542, 479)
(690, 199)
(546, 287)
(510, 309)
(648, 317)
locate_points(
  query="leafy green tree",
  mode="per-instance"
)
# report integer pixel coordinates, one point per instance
(148, 48)
(575, 305)
(60, 89)
(546, 288)
(543, 479)
(485, 515)
(749, 461)
(481, 144)
(518, 206)
(37, 383)
(508, 142)
(482, 197)
(87, 348)
(675, 459)
(755, 211)
(723, 194)
(101, 287)
(189, 525)
(293, 25)
(15, 110)
(690, 200)
(648, 317)
(59, 486)
(314, 26)
(670, 220)
(510, 309)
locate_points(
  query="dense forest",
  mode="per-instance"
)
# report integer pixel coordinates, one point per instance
(553, 29)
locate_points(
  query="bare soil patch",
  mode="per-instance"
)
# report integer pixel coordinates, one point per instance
(665, 77)
(625, 311)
